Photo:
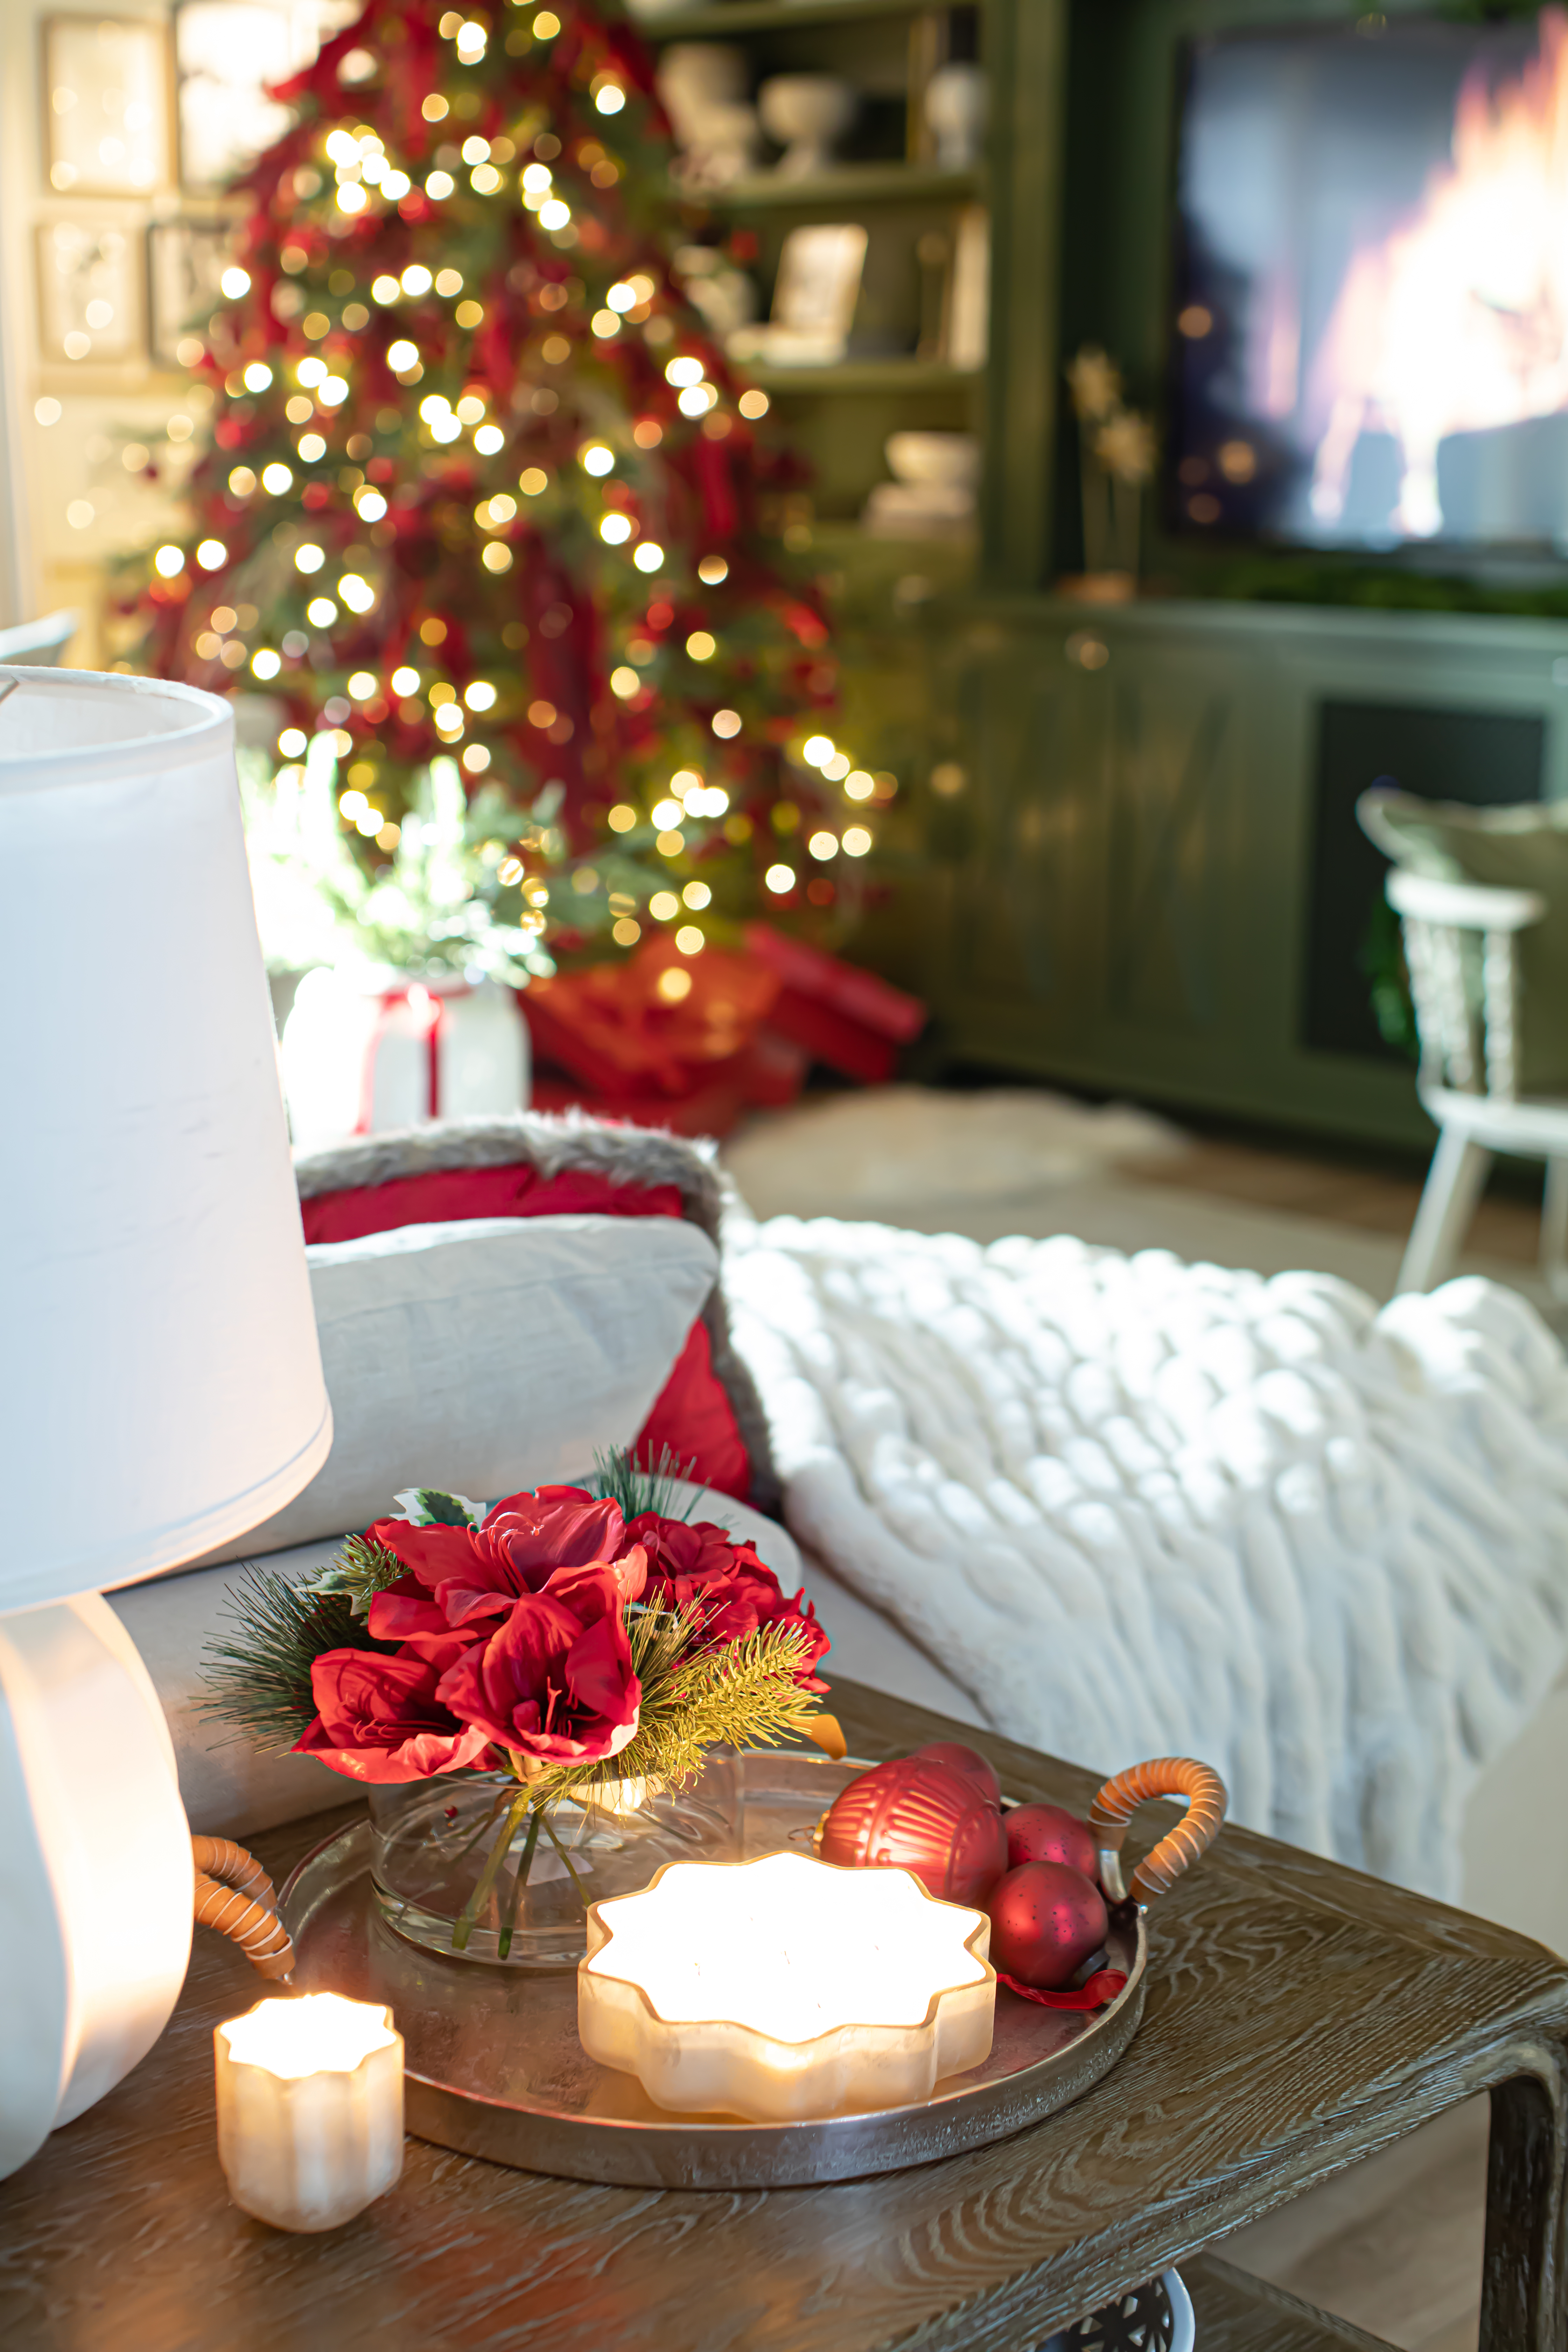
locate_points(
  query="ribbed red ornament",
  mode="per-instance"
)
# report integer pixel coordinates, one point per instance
(920, 1816)
(954, 1754)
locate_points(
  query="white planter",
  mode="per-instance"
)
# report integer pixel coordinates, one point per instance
(365, 1051)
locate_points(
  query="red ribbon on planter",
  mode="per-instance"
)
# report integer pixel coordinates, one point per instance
(421, 1005)
(1099, 1990)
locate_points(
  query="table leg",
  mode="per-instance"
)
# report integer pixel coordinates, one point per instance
(1524, 2289)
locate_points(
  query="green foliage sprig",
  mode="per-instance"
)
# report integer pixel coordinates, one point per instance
(648, 1486)
(258, 1668)
(742, 1695)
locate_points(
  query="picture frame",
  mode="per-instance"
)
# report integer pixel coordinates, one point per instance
(108, 91)
(818, 281)
(816, 288)
(185, 260)
(227, 54)
(89, 292)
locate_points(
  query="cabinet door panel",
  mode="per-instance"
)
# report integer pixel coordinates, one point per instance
(1017, 929)
(1172, 806)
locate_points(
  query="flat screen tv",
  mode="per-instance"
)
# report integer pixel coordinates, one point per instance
(1370, 305)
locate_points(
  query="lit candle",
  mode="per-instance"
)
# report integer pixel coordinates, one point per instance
(310, 2108)
(785, 1988)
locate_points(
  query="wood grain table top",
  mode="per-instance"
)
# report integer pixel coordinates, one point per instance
(1300, 2016)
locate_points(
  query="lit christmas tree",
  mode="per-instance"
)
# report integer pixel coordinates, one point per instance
(481, 487)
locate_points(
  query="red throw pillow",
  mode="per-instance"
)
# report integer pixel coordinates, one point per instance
(692, 1415)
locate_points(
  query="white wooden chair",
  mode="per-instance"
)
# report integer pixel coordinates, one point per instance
(1467, 1081)
(39, 644)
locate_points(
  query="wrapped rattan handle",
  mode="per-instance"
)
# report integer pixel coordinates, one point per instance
(1165, 1776)
(235, 1895)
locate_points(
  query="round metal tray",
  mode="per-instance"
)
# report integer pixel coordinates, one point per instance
(494, 2067)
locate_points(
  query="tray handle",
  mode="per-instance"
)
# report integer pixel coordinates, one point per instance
(1114, 1808)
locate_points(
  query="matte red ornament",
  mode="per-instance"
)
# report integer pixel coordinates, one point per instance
(1050, 1834)
(953, 1755)
(1045, 1920)
(916, 1815)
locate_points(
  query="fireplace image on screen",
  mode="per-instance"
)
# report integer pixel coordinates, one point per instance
(1371, 330)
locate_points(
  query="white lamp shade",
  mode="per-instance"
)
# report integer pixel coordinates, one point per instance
(161, 1385)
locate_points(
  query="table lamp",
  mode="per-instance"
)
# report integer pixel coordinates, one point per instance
(161, 1386)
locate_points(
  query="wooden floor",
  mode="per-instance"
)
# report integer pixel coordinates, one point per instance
(1363, 1190)
(1393, 2244)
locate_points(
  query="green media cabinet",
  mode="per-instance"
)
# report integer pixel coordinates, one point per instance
(1115, 859)
(1128, 867)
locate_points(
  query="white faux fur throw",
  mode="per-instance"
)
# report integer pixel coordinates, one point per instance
(1136, 1506)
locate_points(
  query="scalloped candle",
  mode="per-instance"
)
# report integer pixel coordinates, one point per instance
(310, 2108)
(784, 1988)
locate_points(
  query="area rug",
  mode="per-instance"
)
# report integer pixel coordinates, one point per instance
(883, 1149)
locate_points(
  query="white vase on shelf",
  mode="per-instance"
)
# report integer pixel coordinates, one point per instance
(957, 106)
(702, 86)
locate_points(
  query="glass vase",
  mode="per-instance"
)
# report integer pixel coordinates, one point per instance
(469, 1867)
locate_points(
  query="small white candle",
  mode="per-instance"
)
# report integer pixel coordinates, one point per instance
(785, 1988)
(310, 2108)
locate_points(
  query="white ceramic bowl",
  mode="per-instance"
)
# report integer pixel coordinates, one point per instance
(807, 114)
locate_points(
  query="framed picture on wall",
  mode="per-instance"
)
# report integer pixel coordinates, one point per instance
(107, 92)
(227, 54)
(185, 260)
(90, 295)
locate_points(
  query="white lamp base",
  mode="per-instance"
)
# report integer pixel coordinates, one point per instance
(96, 1877)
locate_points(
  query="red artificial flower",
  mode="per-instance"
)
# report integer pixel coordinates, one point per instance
(556, 1679)
(479, 1571)
(707, 1569)
(380, 1718)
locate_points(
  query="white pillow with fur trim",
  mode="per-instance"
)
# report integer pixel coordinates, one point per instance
(488, 1357)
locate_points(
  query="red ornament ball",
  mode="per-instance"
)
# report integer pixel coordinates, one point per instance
(952, 1755)
(1050, 1834)
(1045, 1920)
(918, 1816)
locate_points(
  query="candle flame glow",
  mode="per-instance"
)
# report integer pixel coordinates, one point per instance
(788, 1946)
(314, 2033)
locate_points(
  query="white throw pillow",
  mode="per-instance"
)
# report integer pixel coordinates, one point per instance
(488, 1357)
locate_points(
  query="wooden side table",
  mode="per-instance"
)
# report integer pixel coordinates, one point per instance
(1300, 2017)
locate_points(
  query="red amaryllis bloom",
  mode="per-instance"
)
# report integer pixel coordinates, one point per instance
(478, 1572)
(380, 1719)
(556, 1679)
(706, 1569)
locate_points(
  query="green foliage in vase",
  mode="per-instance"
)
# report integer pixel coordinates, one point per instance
(257, 1669)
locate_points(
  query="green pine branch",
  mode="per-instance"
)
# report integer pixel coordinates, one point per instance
(741, 1695)
(257, 1672)
(361, 1570)
(648, 1486)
